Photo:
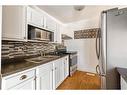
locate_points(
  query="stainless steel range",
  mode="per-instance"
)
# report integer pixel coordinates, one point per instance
(72, 62)
(72, 58)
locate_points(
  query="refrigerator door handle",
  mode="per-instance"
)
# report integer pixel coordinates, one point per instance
(98, 69)
(98, 44)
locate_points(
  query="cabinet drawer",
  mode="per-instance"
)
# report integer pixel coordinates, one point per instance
(45, 67)
(17, 79)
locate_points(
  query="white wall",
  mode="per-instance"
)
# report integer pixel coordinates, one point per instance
(87, 59)
(81, 25)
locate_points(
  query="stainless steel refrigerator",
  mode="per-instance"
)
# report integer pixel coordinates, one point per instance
(111, 47)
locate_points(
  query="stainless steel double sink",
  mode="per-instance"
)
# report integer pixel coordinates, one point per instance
(41, 59)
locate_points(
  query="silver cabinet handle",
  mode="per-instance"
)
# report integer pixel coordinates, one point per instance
(23, 77)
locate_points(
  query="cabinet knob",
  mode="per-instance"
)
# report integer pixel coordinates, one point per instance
(35, 78)
(23, 77)
(55, 68)
(24, 37)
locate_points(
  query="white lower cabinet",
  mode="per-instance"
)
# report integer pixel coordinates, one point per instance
(58, 72)
(123, 83)
(66, 66)
(21, 80)
(47, 76)
(14, 23)
(26, 85)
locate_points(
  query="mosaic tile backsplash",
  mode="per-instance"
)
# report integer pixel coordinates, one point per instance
(87, 33)
(12, 49)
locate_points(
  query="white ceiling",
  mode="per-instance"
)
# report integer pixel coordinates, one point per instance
(67, 14)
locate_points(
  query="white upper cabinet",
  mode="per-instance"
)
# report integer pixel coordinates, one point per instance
(38, 19)
(13, 23)
(50, 24)
(29, 14)
(41, 20)
(57, 34)
(16, 18)
(35, 18)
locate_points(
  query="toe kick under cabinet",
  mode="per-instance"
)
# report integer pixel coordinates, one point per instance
(47, 76)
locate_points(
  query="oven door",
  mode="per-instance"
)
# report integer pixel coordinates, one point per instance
(73, 59)
(72, 64)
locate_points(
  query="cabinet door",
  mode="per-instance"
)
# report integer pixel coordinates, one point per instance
(58, 72)
(46, 77)
(11, 81)
(61, 70)
(123, 83)
(29, 14)
(26, 85)
(46, 80)
(13, 22)
(50, 24)
(57, 34)
(66, 67)
(37, 18)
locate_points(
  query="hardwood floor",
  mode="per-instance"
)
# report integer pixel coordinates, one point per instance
(81, 81)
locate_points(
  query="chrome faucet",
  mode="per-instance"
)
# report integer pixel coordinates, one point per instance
(42, 53)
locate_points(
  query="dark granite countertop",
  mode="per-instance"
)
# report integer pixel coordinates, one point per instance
(11, 68)
(122, 72)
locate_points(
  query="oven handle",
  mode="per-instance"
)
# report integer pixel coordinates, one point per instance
(71, 56)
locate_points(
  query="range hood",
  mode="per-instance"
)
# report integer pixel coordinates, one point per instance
(66, 37)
